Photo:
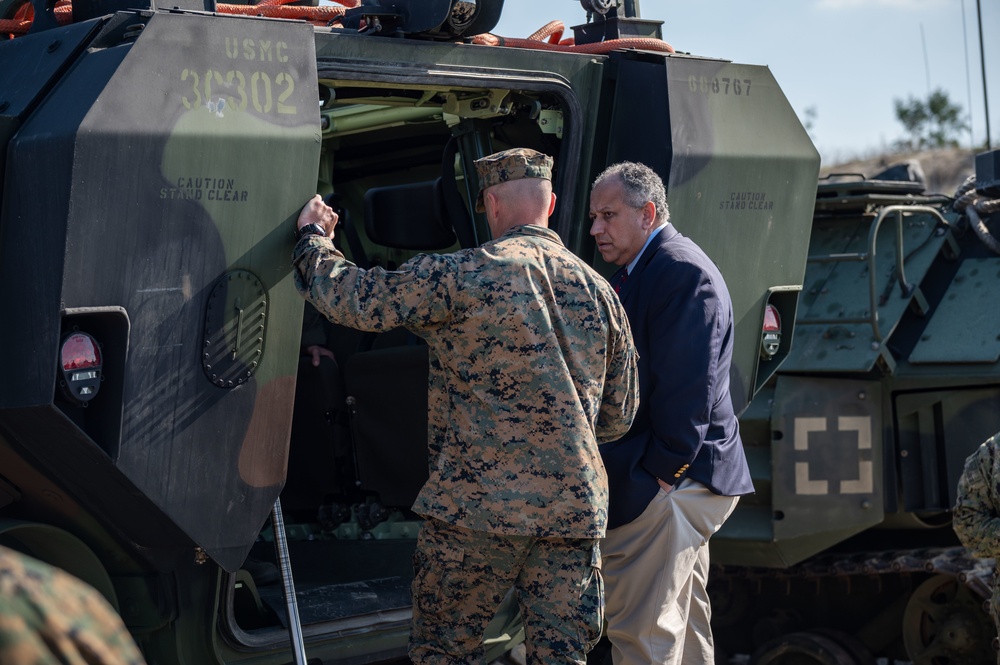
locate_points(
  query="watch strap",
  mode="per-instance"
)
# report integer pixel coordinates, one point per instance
(310, 229)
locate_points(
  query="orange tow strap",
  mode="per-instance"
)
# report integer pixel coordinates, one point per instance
(553, 32)
(548, 37)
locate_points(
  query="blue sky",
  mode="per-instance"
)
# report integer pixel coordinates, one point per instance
(847, 60)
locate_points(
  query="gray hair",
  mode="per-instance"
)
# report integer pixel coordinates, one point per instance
(641, 184)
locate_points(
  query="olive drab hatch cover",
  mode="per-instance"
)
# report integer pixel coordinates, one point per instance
(170, 154)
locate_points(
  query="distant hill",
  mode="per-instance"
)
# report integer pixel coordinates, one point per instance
(944, 170)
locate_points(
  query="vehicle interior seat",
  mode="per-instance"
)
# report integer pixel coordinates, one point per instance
(320, 467)
(386, 385)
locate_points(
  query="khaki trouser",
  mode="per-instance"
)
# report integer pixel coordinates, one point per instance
(656, 574)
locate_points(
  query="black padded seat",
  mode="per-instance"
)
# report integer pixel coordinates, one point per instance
(387, 382)
(387, 391)
(409, 216)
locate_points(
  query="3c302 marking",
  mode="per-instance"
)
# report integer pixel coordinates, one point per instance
(255, 89)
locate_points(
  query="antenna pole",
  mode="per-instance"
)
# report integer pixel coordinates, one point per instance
(968, 78)
(927, 66)
(982, 62)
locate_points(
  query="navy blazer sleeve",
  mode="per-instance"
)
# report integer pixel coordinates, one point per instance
(686, 324)
(682, 322)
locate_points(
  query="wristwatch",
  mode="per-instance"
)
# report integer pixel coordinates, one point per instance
(310, 229)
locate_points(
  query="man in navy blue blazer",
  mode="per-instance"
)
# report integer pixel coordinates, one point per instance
(677, 475)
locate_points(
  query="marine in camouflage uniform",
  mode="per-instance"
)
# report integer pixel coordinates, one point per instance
(976, 518)
(50, 617)
(531, 366)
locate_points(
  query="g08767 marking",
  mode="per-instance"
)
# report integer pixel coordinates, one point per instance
(724, 85)
(257, 89)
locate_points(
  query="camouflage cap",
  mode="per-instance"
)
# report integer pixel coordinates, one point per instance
(512, 164)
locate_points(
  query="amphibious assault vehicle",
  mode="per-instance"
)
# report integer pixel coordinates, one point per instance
(845, 553)
(165, 434)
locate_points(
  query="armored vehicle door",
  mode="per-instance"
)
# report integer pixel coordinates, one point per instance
(739, 170)
(153, 373)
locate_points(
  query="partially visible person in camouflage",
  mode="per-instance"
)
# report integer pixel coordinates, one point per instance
(531, 365)
(50, 617)
(976, 518)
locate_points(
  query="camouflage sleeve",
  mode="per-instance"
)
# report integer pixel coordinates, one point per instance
(49, 617)
(621, 384)
(975, 519)
(416, 296)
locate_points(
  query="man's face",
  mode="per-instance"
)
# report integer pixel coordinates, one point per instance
(619, 229)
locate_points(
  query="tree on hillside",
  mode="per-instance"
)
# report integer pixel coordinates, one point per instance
(931, 123)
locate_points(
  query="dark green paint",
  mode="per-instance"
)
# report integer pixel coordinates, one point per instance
(174, 151)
